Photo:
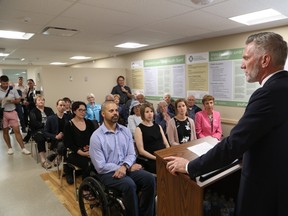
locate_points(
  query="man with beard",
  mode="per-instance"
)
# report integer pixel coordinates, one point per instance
(113, 156)
(260, 135)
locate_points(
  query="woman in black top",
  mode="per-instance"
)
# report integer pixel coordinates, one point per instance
(149, 137)
(38, 117)
(77, 138)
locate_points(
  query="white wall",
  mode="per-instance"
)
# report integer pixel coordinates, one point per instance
(77, 83)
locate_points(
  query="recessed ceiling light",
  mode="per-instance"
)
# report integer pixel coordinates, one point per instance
(80, 57)
(259, 17)
(15, 35)
(131, 45)
(4, 54)
(58, 63)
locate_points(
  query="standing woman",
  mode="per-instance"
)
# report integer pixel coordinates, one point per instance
(77, 138)
(181, 128)
(93, 110)
(208, 121)
(149, 137)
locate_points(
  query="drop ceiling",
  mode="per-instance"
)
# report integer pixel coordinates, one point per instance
(102, 24)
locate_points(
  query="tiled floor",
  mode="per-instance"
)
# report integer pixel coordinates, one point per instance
(22, 191)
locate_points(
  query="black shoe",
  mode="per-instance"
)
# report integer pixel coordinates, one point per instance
(51, 157)
(69, 179)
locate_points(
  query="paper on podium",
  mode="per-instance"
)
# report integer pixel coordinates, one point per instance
(201, 148)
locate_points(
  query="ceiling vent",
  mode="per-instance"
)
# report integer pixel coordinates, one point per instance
(202, 2)
(57, 31)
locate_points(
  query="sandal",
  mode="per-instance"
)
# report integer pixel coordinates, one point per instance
(46, 165)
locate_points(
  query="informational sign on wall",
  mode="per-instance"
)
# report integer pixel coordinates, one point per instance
(217, 73)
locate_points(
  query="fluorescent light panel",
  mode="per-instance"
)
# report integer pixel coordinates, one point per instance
(4, 54)
(58, 63)
(80, 57)
(131, 45)
(259, 17)
(15, 35)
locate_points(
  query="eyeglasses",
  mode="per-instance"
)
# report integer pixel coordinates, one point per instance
(82, 110)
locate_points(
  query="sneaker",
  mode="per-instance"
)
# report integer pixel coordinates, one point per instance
(10, 151)
(25, 151)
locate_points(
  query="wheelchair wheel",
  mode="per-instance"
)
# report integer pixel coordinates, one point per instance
(92, 198)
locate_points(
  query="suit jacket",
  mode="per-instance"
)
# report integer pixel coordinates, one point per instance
(51, 128)
(203, 125)
(261, 137)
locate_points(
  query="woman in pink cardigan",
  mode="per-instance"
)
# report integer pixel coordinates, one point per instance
(181, 128)
(208, 121)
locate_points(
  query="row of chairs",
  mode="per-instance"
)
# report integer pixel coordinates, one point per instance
(60, 164)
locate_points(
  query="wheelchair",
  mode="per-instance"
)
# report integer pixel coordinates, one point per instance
(95, 199)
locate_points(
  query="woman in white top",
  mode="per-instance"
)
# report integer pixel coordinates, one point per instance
(134, 118)
(181, 128)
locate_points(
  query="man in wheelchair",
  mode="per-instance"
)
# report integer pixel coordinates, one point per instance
(113, 156)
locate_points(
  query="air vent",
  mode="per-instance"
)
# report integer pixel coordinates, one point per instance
(58, 31)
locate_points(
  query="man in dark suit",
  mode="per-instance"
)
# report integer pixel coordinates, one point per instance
(260, 135)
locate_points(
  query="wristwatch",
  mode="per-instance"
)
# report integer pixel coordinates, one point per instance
(126, 165)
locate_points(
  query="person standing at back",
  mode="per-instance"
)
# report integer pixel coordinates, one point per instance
(9, 97)
(260, 135)
(123, 90)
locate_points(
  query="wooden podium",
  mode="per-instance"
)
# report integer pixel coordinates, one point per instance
(179, 195)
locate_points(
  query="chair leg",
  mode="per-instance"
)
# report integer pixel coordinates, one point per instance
(75, 184)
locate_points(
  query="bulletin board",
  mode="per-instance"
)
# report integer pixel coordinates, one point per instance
(217, 73)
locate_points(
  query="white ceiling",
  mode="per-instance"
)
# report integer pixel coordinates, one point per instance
(102, 24)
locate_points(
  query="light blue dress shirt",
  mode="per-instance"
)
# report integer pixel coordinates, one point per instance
(109, 150)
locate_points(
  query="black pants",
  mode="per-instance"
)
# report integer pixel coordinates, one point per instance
(79, 161)
(40, 140)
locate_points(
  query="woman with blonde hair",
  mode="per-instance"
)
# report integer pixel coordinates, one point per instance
(208, 121)
(93, 110)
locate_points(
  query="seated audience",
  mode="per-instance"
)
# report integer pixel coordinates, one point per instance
(54, 130)
(117, 100)
(170, 102)
(93, 110)
(113, 156)
(208, 121)
(109, 97)
(181, 128)
(68, 111)
(134, 118)
(192, 108)
(149, 137)
(38, 117)
(162, 117)
(77, 138)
